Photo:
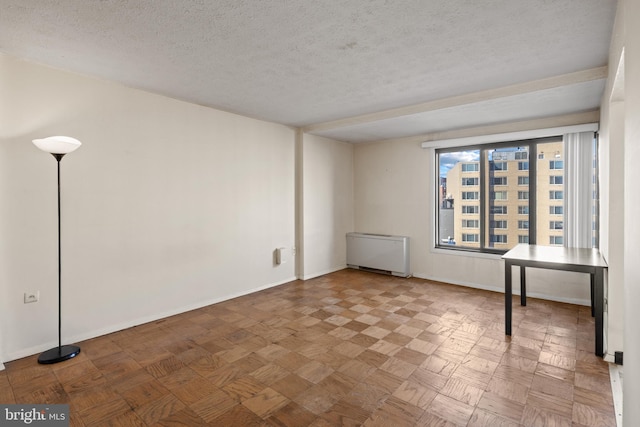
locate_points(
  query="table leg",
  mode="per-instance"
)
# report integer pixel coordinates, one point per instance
(592, 291)
(523, 286)
(598, 303)
(507, 297)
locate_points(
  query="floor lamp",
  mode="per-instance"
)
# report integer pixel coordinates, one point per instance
(58, 146)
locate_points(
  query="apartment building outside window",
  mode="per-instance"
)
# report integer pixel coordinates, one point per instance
(518, 194)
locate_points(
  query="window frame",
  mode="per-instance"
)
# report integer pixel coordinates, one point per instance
(531, 146)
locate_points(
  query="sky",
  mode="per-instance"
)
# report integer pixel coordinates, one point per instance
(448, 160)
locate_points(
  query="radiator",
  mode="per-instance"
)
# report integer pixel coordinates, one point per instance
(379, 253)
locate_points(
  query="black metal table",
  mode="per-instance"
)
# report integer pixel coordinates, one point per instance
(557, 258)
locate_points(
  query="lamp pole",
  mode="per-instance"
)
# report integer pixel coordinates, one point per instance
(58, 146)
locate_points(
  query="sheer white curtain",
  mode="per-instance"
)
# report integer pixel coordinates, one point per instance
(579, 155)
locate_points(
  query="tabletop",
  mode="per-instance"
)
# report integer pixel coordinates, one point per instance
(556, 255)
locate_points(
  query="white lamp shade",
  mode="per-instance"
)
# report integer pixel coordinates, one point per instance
(57, 144)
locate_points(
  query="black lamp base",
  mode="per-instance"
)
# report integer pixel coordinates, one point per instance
(59, 354)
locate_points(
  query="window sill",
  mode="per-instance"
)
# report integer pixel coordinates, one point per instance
(464, 253)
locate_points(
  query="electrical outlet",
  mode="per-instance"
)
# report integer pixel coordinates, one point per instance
(31, 297)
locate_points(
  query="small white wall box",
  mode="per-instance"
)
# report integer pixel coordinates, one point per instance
(280, 256)
(379, 253)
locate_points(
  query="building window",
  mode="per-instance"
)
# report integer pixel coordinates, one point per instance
(523, 195)
(556, 164)
(523, 238)
(467, 209)
(556, 179)
(470, 167)
(498, 224)
(521, 155)
(498, 210)
(470, 195)
(498, 166)
(470, 223)
(498, 238)
(556, 210)
(555, 195)
(523, 180)
(556, 225)
(470, 237)
(523, 166)
(498, 195)
(523, 210)
(523, 225)
(499, 180)
(469, 181)
(556, 240)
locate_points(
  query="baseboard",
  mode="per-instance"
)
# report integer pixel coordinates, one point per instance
(500, 289)
(136, 322)
(322, 273)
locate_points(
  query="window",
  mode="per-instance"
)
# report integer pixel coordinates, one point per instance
(555, 195)
(521, 155)
(466, 209)
(556, 240)
(498, 166)
(509, 203)
(470, 167)
(498, 238)
(498, 210)
(556, 225)
(499, 195)
(556, 164)
(470, 223)
(466, 237)
(556, 210)
(469, 181)
(556, 179)
(499, 180)
(470, 195)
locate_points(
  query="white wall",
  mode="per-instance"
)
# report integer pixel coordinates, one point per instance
(327, 204)
(395, 194)
(391, 196)
(167, 206)
(612, 184)
(632, 208)
(620, 134)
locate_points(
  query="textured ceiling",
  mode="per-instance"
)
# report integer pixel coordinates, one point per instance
(304, 63)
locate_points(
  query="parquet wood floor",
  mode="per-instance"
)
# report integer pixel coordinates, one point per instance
(349, 348)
